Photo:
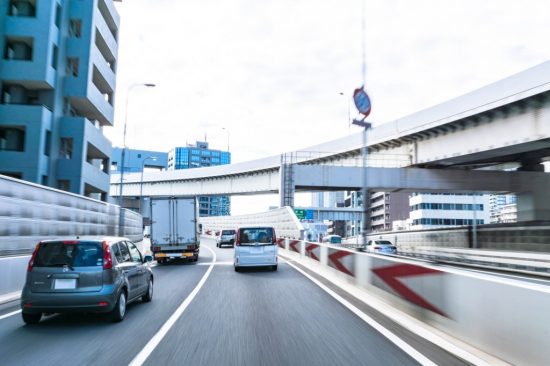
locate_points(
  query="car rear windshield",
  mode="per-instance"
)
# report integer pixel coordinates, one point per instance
(75, 254)
(228, 232)
(256, 235)
(384, 242)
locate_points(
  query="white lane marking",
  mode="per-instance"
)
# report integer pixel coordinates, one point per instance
(14, 257)
(226, 263)
(9, 314)
(420, 358)
(157, 338)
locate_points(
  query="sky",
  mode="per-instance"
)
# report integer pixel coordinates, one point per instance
(266, 77)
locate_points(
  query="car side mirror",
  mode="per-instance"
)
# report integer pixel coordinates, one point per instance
(148, 258)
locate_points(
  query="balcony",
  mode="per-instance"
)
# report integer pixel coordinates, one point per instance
(88, 101)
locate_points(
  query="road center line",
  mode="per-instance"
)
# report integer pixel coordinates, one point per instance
(405, 347)
(157, 338)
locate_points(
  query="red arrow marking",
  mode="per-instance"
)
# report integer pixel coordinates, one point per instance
(334, 258)
(390, 275)
(310, 249)
(293, 245)
(281, 242)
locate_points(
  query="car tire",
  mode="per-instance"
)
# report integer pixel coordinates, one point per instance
(237, 269)
(148, 296)
(31, 318)
(160, 262)
(119, 311)
(274, 268)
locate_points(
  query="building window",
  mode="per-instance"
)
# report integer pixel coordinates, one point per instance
(58, 15)
(19, 48)
(54, 57)
(66, 148)
(47, 143)
(75, 28)
(64, 185)
(72, 66)
(22, 8)
(12, 138)
(44, 180)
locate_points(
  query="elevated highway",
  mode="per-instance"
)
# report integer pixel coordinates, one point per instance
(502, 125)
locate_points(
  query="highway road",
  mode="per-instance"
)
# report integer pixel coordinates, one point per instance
(205, 313)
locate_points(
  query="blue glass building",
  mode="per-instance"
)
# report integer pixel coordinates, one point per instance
(196, 156)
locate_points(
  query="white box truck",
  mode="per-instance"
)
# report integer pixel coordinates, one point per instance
(174, 228)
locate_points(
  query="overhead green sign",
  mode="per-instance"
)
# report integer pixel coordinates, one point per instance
(300, 213)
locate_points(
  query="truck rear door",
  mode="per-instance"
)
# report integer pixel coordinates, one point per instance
(184, 218)
(161, 222)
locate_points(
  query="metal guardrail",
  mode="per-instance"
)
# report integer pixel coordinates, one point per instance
(520, 262)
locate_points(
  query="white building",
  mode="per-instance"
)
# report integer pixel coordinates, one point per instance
(497, 204)
(509, 213)
(436, 210)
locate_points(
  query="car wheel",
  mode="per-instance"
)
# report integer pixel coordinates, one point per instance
(120, 308)
(30, 318)
(160, 261)
(274, 268)
(237, 269)
(148, 296)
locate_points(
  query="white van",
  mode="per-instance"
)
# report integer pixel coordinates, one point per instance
(255, 247)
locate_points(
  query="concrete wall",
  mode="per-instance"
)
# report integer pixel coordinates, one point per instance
(30, 213)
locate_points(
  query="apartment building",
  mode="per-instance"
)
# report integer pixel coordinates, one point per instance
(57, 82)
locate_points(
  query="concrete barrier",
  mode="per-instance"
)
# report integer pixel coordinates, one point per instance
(30, 212)
(506, 318)
(282, 219)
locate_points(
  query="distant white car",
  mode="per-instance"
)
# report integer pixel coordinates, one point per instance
(380, 247)
(225, 237)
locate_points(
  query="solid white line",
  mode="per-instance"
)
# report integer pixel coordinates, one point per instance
(420, 358)
(157, 338)
(14, 257)
(9, 314)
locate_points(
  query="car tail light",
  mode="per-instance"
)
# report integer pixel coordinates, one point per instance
(33, 257)
(107, 259)
(27, 305)
(156, 249)
(102, 303)
(238, 238)
(377, 248)
(274, 237)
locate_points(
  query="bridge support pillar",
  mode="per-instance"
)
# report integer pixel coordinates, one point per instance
(535, 204)
(287, 188)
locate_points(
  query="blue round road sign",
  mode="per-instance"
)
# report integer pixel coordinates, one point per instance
(362, 101)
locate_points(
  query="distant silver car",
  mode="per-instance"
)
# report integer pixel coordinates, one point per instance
(226, 237)
(87, 274)
(380, 247)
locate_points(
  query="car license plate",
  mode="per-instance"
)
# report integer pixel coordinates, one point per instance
(187, 254)
(256, 250)
(64, 283)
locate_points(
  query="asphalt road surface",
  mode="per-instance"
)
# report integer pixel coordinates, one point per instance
(254, 317)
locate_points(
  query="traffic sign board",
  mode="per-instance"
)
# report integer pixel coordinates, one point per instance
(300, 213)
(362, 101)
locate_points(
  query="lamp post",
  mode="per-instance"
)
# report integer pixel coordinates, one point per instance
(227, 130)
(120, 198)
(153, 158)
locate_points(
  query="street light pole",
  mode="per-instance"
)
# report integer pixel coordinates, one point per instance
(227, 130)
(153, 158)
(123, 153)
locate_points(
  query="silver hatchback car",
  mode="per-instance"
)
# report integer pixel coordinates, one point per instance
(87, 274)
